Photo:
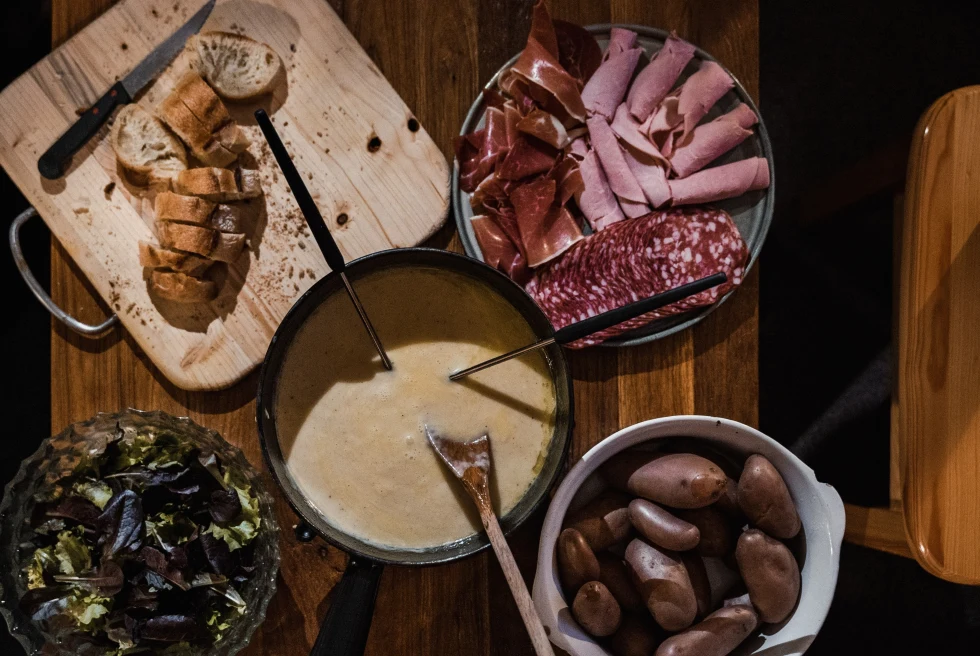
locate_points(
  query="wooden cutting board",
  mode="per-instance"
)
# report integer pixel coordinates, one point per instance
(377, 176)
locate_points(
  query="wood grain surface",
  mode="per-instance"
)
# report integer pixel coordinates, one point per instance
(437, 58)
(377, 177)
(938, 379)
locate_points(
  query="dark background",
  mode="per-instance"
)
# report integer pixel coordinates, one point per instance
(843, 83)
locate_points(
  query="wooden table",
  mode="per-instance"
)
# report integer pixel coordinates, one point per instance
(437, 55)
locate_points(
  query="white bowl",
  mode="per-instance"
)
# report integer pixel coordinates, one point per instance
(819, 505)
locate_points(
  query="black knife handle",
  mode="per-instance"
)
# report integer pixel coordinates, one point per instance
(54, 162)
(619, 315)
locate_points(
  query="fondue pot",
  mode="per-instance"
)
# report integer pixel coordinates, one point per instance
(345, 629)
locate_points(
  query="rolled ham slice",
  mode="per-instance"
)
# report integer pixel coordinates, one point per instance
(631, 197)
(547, 230)
(652, 178)
(578, 147)
(597, 200)
(498, 250)
(720, 182)
(620, 40)
(539, 123)
(709, 141)
(686, 106)
(607, 87)
(631, 132)
(658, 77)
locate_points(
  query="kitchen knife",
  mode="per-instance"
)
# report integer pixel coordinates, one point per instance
(54, 162)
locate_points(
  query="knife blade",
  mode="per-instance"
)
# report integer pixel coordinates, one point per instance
(54, 162)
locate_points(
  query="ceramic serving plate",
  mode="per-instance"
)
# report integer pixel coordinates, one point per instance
(752, 212)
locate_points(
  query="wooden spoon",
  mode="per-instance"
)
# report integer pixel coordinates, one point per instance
(470, 462)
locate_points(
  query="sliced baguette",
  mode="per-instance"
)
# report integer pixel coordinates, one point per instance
(219, 185)
(153, 257)
(187, 209)
(182, 121)
(232, 138)
(227, 218)
(236, 66)
(202, 101)
(149, 152)
(228, 247)
(182, 288)
(185, 237)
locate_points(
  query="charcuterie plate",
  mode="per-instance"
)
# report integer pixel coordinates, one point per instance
(752, 212)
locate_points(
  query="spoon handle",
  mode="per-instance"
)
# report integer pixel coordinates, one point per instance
(539, 639)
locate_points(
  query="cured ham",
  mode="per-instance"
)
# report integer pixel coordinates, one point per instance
(526, 157)
(652, 178)
(608, 86)
(686, 106)
(540, 67)
(620, 40)
(621, 180)
(544, 126)
(708, 141)
(597, 200)
(720, 182)
(658, 77)
(631, 132)
(578, 52)
(547, 230)
(498, 249)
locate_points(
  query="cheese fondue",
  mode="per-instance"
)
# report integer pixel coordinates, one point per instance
(352, 433)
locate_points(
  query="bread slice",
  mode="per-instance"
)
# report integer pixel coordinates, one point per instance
(228, 247)
(149, 152)
(203, 102)
(154, 257)
(227, 218)
(182, 288)
(236, 66)
(182, 121)
(187, 209)
(185, 237)
(232, 138)
(219, 185)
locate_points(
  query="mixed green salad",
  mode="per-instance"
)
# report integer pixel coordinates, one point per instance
(143, 547)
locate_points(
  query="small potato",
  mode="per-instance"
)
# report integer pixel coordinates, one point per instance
(771, 574)
(637, 636)
(765, 499)
(696, 571)
(717, 531)
(596, 610)
(617, 470)
(661, 527)
(577, 565)
(616, 577)
(679, 480)
(664, 585)
(604, 521)
(716, 635)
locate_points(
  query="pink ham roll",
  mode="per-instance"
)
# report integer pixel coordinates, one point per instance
(620, 40)
(596, 200)
(607, 86)
(657, 79)
(720, 182)
(621, 179)
(651, 177)
(686, 106)
(709, 141)
(631, 132)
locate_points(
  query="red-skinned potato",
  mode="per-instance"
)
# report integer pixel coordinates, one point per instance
(616, 577)
(664, 585)
(699, 581)
(765, 499)
(679, 480)
(637, 636)
(603, 521)
(577, 565)
(661, 527)
(771, 574)
(596, 610)
(717, 532)
(617, 470)
(716, 635)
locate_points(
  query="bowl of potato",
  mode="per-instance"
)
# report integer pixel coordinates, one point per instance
(688, 535)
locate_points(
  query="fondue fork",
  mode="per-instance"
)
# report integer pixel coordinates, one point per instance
(602, 321)
(470, 462)
(335, 259)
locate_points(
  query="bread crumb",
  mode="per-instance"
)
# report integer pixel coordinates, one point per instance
(109, 188)
(124, 45)
(292, 47)
(80, 110)
(302, 274)
(81, 210)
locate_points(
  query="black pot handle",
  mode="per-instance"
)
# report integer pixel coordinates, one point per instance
(344, 631)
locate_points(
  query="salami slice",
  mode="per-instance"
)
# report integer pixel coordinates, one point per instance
(635, 259)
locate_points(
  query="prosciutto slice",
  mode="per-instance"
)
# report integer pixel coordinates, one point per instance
(472, 167)
(526, 157)
(578, 52)
(539, 123)
(686, 106)
(597, 200)
(546, 229)
(542, 29)
(621, 179)
(658, 77)
(630, 131)
(608, 86)
(720, 182)
(708, 141)
(498, 249)
(651, 177)
(538, 66)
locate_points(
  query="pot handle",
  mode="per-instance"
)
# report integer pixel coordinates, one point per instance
(344, 631)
